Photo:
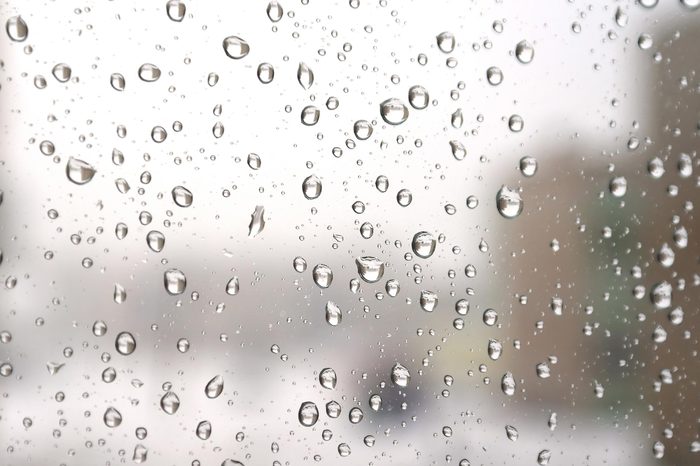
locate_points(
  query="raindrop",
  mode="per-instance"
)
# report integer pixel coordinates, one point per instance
(117, 81)
(175, 281)
(266, 73)
(79, 171)
(428, 300)
(400, 375)
(125, 343)
(182, 196)
(423, 244)
(524, 52)
(308, 414)
(235, 47)
(310, 115)
(322, 275)
(494, 75)
(149, 73)
(327, 378)
(155, 240)
(305, 75)
(274, 11)
(170, 403)
(232, 287)
(370, 268)
(214, 387)
(311, 187)
(112, 418)
(509, 202)
(508, 384)
(176, 10)
(257, 221)
(333, 313)
(446, 42)
(17, 29)
(203, 430)
(393, 111)
(418, 97)
(62, 72)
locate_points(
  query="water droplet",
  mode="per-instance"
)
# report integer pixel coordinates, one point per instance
(423, 244)
(79, 171)
(618, 186)
(543, 457)
(393, 111)
(310, 115)
(516, 123)
(299, 264)
(404, 197)
(266, 73)
(543, 371)
(62, 72)
(621, 17)
(370, 268)
(446, 42)
(305, 75)
(170, 403)
(99, 328)
(495, 348)
(691, 4)
(333, 313)
(155, 240)
(204, 430)
(257, 221)
(375, 402)
(119, 294)
(344, 448)
(418, 97)
(176, 10)
(512, 433)
(661, 295)
(182, 196)
(158, 134)
(17, 29)
(149, 72)
(117, 81)
(400, 375)
(232, 287)
(333, 410)
(645, 41)
(175, 281)
(112, 418)
(382, 183)
(274, 11)
(125, 343)
(524, 52)
(362, 129)
(235, 47)
(183, 345)
(311, 187)
(428, 300)
(509, 202)
(308, 414)
(459, 152)
(494, 75)
(322, 275)
(508, 384)
(327, 378)
(355, 415)
(528, 166)
(214, 387)
(218, 129)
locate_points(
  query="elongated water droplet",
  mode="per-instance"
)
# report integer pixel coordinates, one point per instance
(400, 375)
(661, 295)
(393, 111)
(112, 418)
(508, 384)
(125, 343)
(305, 75)
(312, 187)
(266, 73)
(175, 281)
(274, 11)
(509, 202)
(149, 72)
(17, 29)
(233, 286)
(495, 348)
(119, 293)
(218, 129)
(235, 47)
(214, 387)
(182, 196)
(543, 457)
(512, 433)
(308, 414)
(170, 403)
(333, 313)
(257, 221)
(79, 171)
(370, 268)
(176, 10)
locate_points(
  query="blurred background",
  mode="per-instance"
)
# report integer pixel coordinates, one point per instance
(603, 360)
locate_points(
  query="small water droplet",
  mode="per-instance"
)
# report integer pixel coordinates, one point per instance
(400, 375)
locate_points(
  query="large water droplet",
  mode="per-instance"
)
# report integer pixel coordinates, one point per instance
(79, 171)
(333, 313)
(235, 47)
(446, 42)
(266, 73)
(274, 11)
(112, 418)
(125, 343)
(170, 403)
(175, 281)
(494, 75)
(423, 244)
(428, 300)
(310, 115)
(155, 240)
(62, 72)
(508, 384)
(393, 111)
(149, 72)
(214, 387)
(17, 29)
(312, 187)
(508, 202)
(204, 430)
(176, 10)
(370, 268)
(233, 286)
(618, 186)
(400, 375)
(308, 414)
(524, 52)
(327, 378)
(257, 221)
(117, 81)
(305, 75)
(322, 275)
(182, 196)
(418, 97)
